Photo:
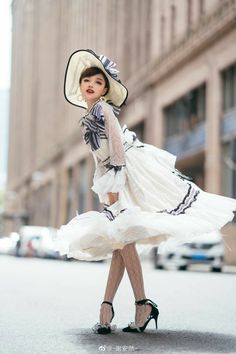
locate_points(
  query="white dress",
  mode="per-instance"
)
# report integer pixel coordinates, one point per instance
(157, 205)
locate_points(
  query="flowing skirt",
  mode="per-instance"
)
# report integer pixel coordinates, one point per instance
(160, 208)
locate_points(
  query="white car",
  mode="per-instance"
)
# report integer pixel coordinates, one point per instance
(206, 249)
(6, 245)
(37, 241)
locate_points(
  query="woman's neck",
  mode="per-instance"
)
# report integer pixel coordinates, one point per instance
(91, 104)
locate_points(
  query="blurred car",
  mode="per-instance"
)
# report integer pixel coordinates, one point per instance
(6, 245)
(37, 241)
(207, 249)
(14, 237)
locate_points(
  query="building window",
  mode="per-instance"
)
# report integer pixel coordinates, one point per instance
(173, 21)
(201, 8)
(233, 158)
(83, 185)
(70, 194)
(40, 211)
(148, 26)
(128, 18)
(229, 88)
(96, 202)
(189, 15)
(229, 169)
(139, 130)
(186, 113)
(162, 33)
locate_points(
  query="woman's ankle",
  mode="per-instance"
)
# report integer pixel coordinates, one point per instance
(105, 313)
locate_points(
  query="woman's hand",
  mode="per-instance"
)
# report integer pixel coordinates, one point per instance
(113, 197)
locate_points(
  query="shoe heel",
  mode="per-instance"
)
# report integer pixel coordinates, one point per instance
(155, 318)
(155, 314)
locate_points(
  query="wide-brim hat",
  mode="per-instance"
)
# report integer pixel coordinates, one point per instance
(80, 61)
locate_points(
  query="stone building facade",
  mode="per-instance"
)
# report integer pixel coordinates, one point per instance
(178, 60)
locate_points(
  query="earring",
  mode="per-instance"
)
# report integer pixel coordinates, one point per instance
(80, 97)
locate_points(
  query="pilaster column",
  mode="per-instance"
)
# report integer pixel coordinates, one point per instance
(155, 120)
(213, 125)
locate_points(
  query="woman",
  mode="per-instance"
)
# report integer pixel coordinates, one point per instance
(146, 200)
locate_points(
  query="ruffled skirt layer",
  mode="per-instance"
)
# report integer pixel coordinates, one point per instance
(161, 208)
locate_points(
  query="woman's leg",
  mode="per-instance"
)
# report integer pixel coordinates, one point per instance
(127, 257)
(115, 275)
(134, 270)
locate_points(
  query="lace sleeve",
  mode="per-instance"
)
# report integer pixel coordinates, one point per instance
(115, 177)
(114, 134)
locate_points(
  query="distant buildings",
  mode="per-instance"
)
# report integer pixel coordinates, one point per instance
(4, 112)
(178, 60)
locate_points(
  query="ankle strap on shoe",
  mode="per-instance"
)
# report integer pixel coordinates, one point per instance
(145, 301)
(106, 302)
(141, 302)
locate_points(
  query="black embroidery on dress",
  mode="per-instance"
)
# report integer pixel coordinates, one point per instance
(116, 109)
(108, 213)
(128, 146)
(95, 127)
(106, 159)
(181, 175)
(123, 210)
(115, 167)
(186, 203)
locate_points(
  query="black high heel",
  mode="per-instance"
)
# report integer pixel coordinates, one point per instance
(132, 327)
(105, 328)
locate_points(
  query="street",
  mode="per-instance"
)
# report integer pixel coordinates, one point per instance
(49, 306)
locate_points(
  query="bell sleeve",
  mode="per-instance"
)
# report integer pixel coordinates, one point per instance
(114, 134)
(115, 177)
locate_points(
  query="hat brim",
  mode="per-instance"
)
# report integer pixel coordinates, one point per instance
(78, 62)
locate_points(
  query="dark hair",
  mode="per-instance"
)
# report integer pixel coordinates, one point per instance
(94, 70)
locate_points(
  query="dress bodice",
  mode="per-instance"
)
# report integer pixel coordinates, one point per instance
(103, 133)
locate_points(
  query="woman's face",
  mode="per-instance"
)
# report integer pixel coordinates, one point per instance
(92, 88)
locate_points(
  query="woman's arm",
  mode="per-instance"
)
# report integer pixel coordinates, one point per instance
(114, 178)
(114, 133)
(113, 197)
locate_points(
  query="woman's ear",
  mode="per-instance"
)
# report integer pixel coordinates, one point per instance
(105, 91)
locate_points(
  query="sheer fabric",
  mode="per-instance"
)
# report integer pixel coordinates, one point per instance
(115, 142)
(113, 180)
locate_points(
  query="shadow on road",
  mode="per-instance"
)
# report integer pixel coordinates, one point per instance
(163, 341)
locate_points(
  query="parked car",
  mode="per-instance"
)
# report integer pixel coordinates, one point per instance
(207, 249)
(14, 237)
(6, 245)
(37, 241)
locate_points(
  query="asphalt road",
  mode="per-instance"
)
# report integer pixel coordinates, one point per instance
(49, 306)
